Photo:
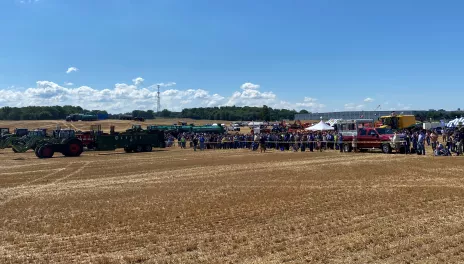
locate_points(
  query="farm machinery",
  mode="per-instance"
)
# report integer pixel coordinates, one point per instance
(7, 140)
(71, 144)
(176, 130)
(134, 139)
(81, 117)
(63, 141)
(29, 141)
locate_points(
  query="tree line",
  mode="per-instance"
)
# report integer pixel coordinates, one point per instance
(236, 113)
(437, 115)
(43, 112)
(232, 113)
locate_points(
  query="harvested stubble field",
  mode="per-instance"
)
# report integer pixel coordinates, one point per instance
(231, 206)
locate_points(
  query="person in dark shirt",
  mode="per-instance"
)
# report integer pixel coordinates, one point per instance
(340, 142)
(195, 143)
(262, 143)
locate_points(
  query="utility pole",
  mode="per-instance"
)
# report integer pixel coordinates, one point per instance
(158, 98)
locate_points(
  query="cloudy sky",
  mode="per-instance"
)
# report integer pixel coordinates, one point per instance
(316, 55)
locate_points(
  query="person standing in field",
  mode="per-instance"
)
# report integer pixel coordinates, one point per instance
(434, 140)
(421, 143)
(195, 143)
(202, 143)
(262, 143)
(354, 143)
(340, 141)
(183, 142)
(460, 142)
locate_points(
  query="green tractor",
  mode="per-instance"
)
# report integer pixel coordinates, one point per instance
(63, 141)
(29, 141)
(7, 140)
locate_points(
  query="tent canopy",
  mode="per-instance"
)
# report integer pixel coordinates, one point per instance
(321, 126)
(455, 122)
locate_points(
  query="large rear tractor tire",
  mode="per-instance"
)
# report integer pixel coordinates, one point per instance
(36, 152)
(139, 148)
(73, 148)
(46, 152)
(386, 148)
(148, 148)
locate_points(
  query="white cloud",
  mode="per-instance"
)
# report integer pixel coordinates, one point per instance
(124, 97)
(249, 86)
(138, 80)
(72, 69)
(310, 104)
(169, 84)
(368, 100)
(68, 83)
(353, 107)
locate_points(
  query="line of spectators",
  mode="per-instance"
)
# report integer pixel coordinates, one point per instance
(413, 141)
(280, 141)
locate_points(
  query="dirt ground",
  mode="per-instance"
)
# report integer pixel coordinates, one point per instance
(231, 206)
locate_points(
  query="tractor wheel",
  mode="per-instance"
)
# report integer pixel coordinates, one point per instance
(36, 151)
(73, 148)
(127, 150)
(139, 148)
(386, 149)
(46, 152)
(148, 148)
(347, 148)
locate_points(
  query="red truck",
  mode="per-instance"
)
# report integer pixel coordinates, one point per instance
(368, 137)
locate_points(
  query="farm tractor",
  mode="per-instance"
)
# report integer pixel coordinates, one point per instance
(7, 140)
(29, 141)
(63, 141)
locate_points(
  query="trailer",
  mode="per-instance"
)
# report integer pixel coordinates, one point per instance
(176, 130)
(132, 140)
(81, 117)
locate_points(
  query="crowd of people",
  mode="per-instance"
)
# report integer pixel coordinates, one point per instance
(411, 141)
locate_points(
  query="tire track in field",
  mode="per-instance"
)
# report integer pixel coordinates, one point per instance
(35, 191)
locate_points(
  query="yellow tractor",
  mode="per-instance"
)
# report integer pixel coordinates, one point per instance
(397, 121)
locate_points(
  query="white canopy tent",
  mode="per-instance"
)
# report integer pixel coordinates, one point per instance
(455, 122)
(321, 126)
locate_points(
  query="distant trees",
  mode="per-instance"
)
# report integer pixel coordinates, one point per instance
(42, 112)
(165, 113)
(232, 113)
(265, 113)
(236, 113)
(437, 115)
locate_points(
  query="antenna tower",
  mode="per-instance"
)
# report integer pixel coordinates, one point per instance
(158, 100)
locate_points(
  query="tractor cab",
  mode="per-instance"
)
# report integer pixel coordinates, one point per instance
(65, 133)
(96, 130)
(21, 132)
(41, 132)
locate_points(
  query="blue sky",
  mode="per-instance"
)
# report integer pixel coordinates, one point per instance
(320, 55)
